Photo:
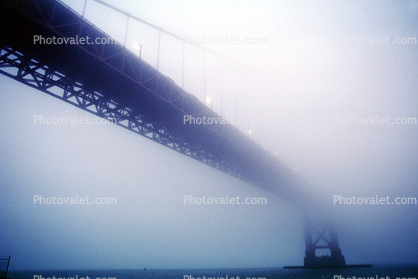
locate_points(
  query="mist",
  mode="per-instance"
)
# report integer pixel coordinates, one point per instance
(307, 88)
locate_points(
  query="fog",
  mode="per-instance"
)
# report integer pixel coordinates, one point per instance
(305, 90)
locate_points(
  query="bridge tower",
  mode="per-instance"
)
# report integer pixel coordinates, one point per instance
(326, 238)
(323, 236)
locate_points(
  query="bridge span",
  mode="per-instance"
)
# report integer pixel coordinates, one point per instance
(110, 81)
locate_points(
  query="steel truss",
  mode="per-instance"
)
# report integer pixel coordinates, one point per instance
(111, 82)
(39, 76)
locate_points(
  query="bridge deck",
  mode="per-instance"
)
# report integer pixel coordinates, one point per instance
(110, 81)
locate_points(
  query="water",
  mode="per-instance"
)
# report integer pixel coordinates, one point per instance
(386, 272)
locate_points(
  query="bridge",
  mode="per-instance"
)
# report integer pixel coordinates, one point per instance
(111, 82)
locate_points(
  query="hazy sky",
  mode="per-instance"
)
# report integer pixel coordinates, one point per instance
(315, 68)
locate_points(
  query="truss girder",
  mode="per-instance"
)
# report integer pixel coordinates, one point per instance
(111, 82)
(43, 78)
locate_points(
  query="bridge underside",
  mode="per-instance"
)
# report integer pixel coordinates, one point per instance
(111, 82)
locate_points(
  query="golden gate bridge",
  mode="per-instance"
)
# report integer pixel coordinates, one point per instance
(110, 81)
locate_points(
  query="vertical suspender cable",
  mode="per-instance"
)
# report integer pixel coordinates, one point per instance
(84, 9)
(220, 83)
(182, 68)
(158, 53)
(204, 77)
(126, 31)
